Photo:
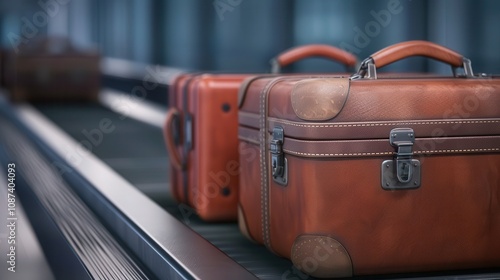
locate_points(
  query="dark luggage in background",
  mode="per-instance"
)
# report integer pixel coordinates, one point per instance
(201, 133)
(51, 69)
(359, 176)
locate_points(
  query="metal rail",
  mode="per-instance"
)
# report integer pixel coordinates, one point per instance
(165, 245)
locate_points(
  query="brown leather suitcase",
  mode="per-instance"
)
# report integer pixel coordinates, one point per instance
(201, 133)
(52, 69)
(363, 175)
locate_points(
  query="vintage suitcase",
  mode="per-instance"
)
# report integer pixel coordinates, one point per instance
(201, 133)
(363, 175)
(52, 69)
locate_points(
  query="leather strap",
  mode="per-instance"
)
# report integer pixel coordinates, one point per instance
(295, 54)
(168, 130)
(402, 50)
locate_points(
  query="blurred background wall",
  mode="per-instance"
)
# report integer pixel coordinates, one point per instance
(242, 35)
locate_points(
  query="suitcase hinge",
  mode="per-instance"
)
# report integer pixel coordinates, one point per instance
(404, 167)
(278, 161)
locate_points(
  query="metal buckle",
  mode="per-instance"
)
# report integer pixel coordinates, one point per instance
(403, 172)
(278, 161)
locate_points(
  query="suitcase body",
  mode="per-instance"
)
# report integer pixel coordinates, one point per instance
(360, 176)
(207, 176)
(201, 133)
(51, 69)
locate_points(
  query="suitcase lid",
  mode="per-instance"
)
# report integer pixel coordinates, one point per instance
(446, 114)
(361, 106)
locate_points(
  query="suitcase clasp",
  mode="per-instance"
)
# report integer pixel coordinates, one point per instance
(278, 161)
(406, 169)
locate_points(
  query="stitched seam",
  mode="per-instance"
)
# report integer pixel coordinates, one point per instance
(339, 154)
(392, 153)
(458, 150)
(381, 124)
(264, 164)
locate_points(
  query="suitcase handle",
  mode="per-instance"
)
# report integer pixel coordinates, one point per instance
(403, 50)
(295, 54)
(173, 117)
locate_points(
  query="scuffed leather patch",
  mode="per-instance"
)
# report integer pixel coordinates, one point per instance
(321, 256)
(319, 99)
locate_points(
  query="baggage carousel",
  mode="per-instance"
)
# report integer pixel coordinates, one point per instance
(93, 199)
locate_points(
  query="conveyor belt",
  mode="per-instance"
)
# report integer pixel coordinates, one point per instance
(136, 151)
(29, 262)
(96, 253)
(167, 247)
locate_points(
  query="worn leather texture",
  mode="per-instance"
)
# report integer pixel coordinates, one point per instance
(452, 221)
(319, 100)
(426, 99)
(322, 255)
(250, 195)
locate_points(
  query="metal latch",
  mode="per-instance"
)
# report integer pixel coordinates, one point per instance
(278, 161)
(403, 172)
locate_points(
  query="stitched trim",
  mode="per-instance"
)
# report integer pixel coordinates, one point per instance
(392, 153)
(338, 155)
(381, 124)
(459, 151)
(263, 138)
(263, 179)
(264, 188)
